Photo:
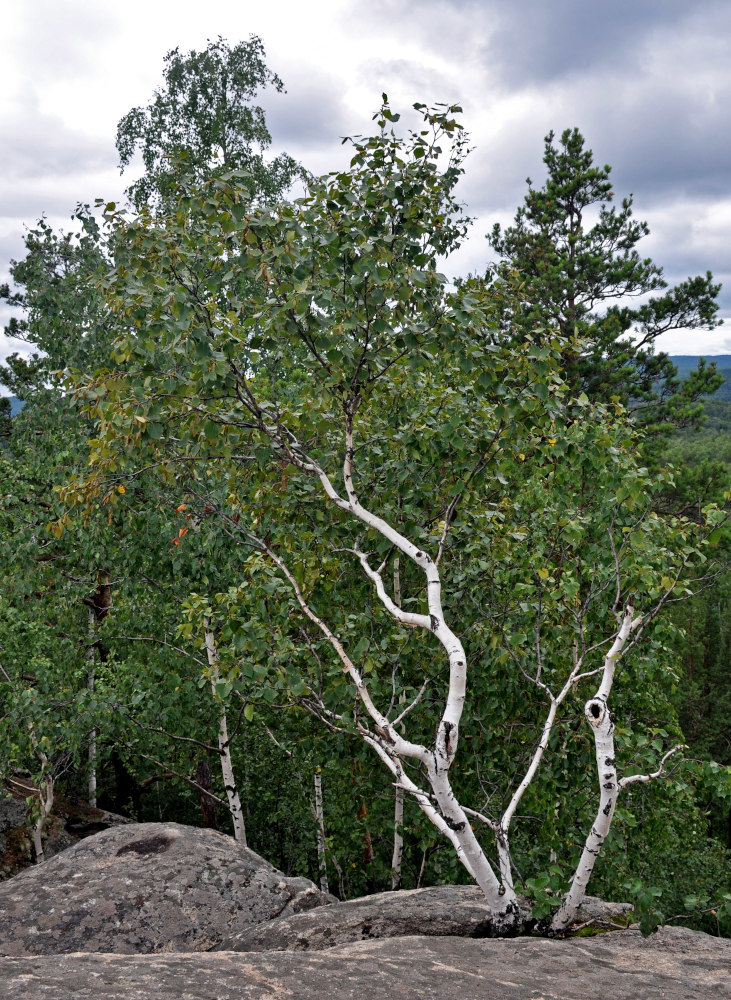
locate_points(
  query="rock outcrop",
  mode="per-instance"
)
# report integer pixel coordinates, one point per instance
(447, 910)
(674, 964)
(146, 888)
(69, 822)
(125, 915)
(440, 911)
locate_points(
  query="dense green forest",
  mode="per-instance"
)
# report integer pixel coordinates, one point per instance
(301, 536)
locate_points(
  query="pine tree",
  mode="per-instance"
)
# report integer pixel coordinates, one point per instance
(570, 263)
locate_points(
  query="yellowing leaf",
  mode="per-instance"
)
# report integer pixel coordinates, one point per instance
(543, 573)
(121, 489)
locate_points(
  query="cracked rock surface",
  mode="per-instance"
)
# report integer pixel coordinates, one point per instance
(675, 964)
(447, 910)
(438, 911)
(145, 888)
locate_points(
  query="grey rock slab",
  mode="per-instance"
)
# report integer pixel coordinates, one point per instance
(672, 965)
(454, 910)
(144, 888)
(13, 812)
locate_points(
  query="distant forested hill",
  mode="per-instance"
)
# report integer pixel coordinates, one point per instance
(686, 362)
(713, 439)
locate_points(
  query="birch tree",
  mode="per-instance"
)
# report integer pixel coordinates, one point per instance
(44, 712)
(204, 119)
(357, 410)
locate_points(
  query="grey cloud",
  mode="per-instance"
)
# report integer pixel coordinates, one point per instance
(34, 144)
(11, 248)
(529, 42)
(535, 42)
(311, 115)
(496, 170)
(28, 202)
(663, 140)
(24, 202)
(406, 81)
(651, 81)
(668, 142)
(450, 28)
(685, 241)
(60, 41)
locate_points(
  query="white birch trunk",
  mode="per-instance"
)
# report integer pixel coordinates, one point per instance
(599, 718)
(229, 781)
(320, 832)
(45, 804)
(91, 657)
(448, 817)
(384, 736)
(398, 839)
(398, 805)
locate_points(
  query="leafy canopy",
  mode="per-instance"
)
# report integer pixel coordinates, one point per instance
(204, 119)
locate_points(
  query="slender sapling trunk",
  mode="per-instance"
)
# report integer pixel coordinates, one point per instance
(224, 748)
(320, 832)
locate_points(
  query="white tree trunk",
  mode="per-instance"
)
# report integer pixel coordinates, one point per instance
(320, 832)
(385, 735)
(441, 807)
(398, 839)
(599, 718)
(224, 749)
(398, 805)
(45, 804)
(91, 657)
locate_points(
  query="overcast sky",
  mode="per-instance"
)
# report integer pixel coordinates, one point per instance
(648, 82)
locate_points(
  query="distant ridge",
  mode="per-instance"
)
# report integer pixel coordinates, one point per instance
(685, 363)
(688, 361)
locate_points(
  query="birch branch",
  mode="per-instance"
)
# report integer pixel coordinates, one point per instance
(633, 778)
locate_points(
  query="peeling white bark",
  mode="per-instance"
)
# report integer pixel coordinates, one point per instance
(398, 839)
(224, 749)
(92, 753)
(398, 805)
(449, 817)
(320, 832)
(599, 718)
(440, 804)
